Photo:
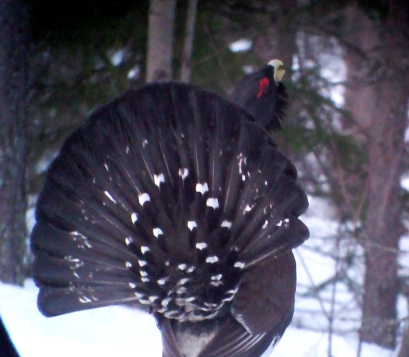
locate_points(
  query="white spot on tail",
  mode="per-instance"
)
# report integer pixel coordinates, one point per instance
(109, 196)
(183, 281)
(287, 220)
(182, 266)
(239, 265)
(127, 149)
(134, 217)
(143, 273)
(165, 302)
(248, 208)
(212, 259)
(226, 224)
(201, 246)
(144, 249)
(265, 224)
(212, 202)
(71, 259)
(144, 301)
(170, 314)
(216, 283)
(132, 285)
(202, 188)
(142, 263)
(157, 232)
(144, 197)
(191, 269)
(158, 179)
(181, 290)
(128, 264)
(162, 281)
(183, 173)
(145, 280)
(128, 240)
(191, 225)
(216, 277)
(279, 224)
(84, 300)
(145, 142)
(81, 239)
(106, 167)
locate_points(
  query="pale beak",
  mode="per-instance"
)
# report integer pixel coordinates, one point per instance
(278, 71)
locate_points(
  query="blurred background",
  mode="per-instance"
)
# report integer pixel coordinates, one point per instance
(347, 75)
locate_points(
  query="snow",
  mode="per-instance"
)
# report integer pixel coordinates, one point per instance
(241, 45)
(117, 57)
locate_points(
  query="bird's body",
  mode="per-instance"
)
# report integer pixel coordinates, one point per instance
(173, 198)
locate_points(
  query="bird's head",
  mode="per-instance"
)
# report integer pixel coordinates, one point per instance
(262, 94)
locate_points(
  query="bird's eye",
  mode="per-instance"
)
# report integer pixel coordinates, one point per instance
(263, 86)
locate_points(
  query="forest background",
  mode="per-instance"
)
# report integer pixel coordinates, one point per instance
(347, 68)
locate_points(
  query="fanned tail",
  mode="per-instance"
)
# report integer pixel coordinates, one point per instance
(163, 191)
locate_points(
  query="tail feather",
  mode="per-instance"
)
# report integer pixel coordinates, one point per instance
(54, 302)
(68, 269)
(79, 245)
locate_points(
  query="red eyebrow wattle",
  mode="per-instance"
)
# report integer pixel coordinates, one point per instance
(264, 82)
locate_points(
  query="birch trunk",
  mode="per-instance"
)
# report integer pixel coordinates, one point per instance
(160, 40)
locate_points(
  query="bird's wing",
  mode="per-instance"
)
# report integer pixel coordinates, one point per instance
(265, 300)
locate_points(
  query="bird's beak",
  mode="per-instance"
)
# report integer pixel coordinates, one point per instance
(278, 71)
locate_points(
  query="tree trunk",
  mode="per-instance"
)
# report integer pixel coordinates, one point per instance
(383, 220)
(160, 40)
(188, 42)
(377, 98)
(14, 47)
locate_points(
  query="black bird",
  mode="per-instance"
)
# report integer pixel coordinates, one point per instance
(178, 200)
(263, 95)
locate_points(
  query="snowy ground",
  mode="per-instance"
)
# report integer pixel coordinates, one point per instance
(121, 331)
